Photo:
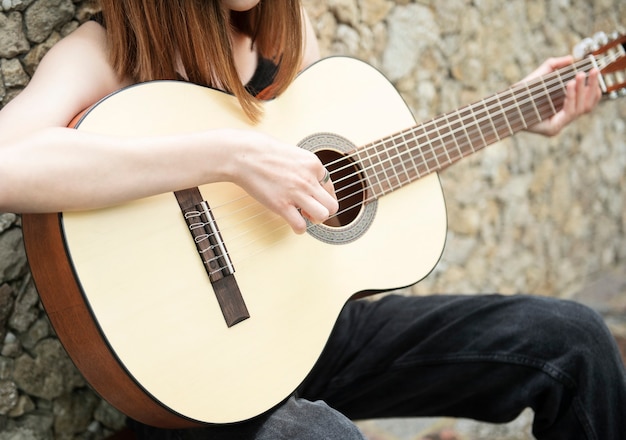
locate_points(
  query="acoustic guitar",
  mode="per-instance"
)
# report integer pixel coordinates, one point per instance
(202, 306)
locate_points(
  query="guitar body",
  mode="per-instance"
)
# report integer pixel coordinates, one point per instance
(131, 301)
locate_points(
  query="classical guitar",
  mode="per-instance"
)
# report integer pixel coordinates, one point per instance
(203, 307)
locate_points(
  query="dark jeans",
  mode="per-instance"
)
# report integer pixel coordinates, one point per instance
(484, 357)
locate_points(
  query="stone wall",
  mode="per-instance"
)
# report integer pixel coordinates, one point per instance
(527, 214)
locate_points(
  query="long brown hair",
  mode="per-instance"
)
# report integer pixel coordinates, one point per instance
(147, 37)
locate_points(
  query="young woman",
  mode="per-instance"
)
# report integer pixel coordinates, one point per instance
(487, 357)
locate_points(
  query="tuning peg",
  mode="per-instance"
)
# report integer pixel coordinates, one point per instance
(583, 48)
(600, 39)
(617, 94)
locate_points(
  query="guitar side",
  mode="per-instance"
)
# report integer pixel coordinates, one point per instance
(137, 272)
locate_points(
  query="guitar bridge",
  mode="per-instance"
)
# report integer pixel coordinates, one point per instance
(209, 241)
(212, 250)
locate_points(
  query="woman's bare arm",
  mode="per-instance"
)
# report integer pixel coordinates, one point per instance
(45, 167)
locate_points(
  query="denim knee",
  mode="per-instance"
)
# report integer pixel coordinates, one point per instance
(294, 419)
(567, 333)
(306, 420)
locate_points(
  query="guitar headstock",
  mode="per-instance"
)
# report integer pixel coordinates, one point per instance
(608, 53)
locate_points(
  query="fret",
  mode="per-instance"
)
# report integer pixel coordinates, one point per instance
(426, 152)
(558, 97)
(546, 96)
(440, 125)
(566, 76)
(376, 168)
(516, 119)
(416, 152)
(461, 125)
(484, 123)
(382, 169)
(544, 105)
(453, 149)
(401, 155)
(531, 103)
(422, 141)
(434, 144)
(476, 126)
(369, 168)
(499, 118)
(391, 163)
(503, 113)
(399, 165)
(513, 111)
(406, 151)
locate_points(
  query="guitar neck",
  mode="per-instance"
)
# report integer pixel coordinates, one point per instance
(396, 160)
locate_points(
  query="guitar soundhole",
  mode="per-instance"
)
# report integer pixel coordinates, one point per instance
(354, 216)
(349, 187)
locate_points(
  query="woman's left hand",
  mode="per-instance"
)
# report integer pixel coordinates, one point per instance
(582, 95)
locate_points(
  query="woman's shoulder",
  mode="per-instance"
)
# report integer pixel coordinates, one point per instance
(73, 75)
(82, 55)
(89, 36)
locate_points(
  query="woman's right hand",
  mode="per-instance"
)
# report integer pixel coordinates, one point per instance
(284, 178)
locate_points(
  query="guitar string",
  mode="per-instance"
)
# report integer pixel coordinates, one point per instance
(425, 134)
(560, 77)
(470, 130)
(510, 125)
(540, 82)
(475, 126)
(510, 103)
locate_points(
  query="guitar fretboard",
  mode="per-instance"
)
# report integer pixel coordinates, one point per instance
(404, 157)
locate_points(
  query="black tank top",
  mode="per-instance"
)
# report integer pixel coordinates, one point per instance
(262, 78)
